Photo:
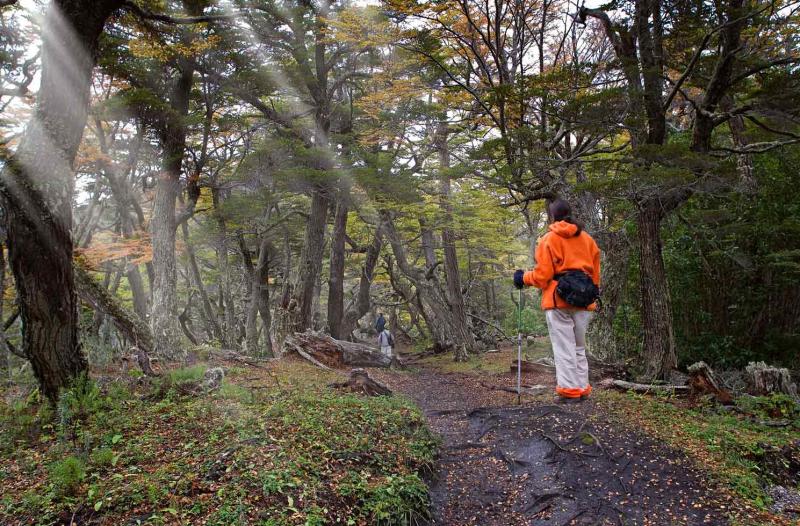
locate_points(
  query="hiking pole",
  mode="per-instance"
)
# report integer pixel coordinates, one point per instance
(519, 348)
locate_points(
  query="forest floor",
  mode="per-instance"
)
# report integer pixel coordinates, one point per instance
(276, 446)
(273, 446)
(609, 460)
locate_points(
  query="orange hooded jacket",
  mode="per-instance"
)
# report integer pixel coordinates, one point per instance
(560, 250)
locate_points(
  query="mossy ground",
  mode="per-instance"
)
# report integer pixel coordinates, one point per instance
(730, 444)
(273, 446)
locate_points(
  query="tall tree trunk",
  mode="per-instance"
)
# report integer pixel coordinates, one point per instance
(227, 312)
(429, 297)
(465, 341)
(259, 298)
(5, 354)
(659, 340)
(310, 262)
(614, 252)
(263, 308)
(336, 280)
(37, 185)
(164, 316)
(163, 225)
(136, 284)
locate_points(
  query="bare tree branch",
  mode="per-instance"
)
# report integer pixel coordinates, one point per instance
(758, 147)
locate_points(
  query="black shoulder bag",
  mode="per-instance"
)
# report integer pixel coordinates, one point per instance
(576, 288)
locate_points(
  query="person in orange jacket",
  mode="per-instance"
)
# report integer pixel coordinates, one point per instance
(565, 248)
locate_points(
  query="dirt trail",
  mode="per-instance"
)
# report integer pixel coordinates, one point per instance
(547, 464)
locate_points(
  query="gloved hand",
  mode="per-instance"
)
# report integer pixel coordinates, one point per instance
(518, 279)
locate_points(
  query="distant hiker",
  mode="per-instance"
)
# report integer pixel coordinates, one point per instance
(568, 272)
(386, 341)
(380, 323)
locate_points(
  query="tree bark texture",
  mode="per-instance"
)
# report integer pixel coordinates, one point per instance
(465, 341)
(259, 301)
(310, 262)
(763, 380)
(336, 280)
(614, 260)
(37, 186)
(5, 353)
(659, 341)
(163, 225)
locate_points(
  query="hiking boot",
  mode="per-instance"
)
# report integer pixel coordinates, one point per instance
(566, 400)
(585, 397)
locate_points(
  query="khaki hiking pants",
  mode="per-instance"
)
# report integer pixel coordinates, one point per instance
(567, 329)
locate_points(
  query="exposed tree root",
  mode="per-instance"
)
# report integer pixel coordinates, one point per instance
(528, 390)
(541, 503)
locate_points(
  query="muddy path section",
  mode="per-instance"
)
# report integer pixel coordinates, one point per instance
(549, 464)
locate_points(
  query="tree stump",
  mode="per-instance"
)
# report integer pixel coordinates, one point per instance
(324, 351)
(143, 360)
(361, 382)
(765, 380)
(212, 379)
(702, 381)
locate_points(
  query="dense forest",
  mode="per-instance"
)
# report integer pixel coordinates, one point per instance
(185, 179)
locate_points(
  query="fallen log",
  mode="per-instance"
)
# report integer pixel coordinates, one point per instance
(765, 380)
(212, 379)
(533, 367)
(702, 381)
(599, 369)
(329, 353)
(361, 382)
(644, 388)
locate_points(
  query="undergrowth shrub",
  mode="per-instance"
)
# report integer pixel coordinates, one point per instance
(775, 406)
(67, 475)
(399, 500)
(193, 373)
(78, 402)
(102, 457)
